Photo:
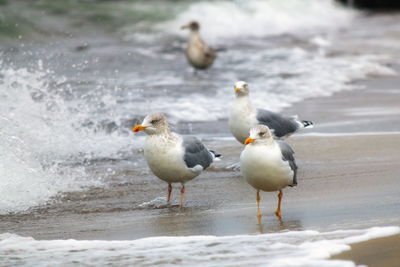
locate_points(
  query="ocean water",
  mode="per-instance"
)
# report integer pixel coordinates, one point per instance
(294, 248)
(71, 98)
(73, 83)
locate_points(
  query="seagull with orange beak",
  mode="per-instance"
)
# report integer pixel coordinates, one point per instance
(267, 164)
(171, 157)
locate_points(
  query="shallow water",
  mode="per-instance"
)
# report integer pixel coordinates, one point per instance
(68, 101)
(298, 248)
(72, 84)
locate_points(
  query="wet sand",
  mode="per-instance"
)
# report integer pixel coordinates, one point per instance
(348, 179)
(374, 110)
(345, 182)
(374, 253)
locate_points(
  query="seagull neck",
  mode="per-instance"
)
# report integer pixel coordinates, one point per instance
(161, 132)
(165, 131)
(244, 102)
(195, 36)
(266, 141)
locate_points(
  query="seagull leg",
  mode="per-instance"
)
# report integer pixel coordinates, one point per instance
(278, 210)
(169, 193)
(258, 198)
(182, 198)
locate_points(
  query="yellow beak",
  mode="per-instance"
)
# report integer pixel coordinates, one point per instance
(237, 89)
(138, 128)
(248, 141)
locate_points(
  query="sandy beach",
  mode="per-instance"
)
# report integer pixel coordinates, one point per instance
(346, 180)
(77, 190)
(377, 252)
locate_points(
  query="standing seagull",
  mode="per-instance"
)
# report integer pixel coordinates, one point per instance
(199, 55)
(267, 165)
(173, 158)
(244, 116)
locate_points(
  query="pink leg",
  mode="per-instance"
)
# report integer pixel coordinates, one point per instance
(169, 193)
(258, 198)
(182, 199)
(278, 210)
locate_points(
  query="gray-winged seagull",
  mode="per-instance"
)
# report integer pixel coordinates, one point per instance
(267, 165)
(199, 55)
(171, 157)
(244, 116)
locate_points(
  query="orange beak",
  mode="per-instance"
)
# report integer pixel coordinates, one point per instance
(248, 141)
(138, 128)
(237, 89)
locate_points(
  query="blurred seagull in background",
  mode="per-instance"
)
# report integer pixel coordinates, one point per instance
(267, 165)
(171, 157)
(244, 116)
(199, 55)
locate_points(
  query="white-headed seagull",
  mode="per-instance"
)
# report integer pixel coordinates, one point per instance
(267, 164)
(171, 157)
(244, 116)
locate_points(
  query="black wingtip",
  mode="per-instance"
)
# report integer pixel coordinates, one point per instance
(215, 153)
(294, 182)
(307, 124)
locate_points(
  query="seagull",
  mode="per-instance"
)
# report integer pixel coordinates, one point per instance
(244, 116)
(199, 55)
(171, 157)
(267, 164)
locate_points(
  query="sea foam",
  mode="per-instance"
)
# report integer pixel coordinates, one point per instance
(294, 248)
(257, 18)
(42, 149)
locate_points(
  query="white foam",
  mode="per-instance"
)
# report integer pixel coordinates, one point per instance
(313, 76)
(312, 73)
(256, 18)
(38, 138)
(296, 248)
(158, 202)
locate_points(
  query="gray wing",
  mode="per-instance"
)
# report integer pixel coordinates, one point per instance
(196, 153)
(288, 155)
(281, 125)
(209, 53)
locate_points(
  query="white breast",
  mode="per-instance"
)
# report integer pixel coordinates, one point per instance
(241, 119)
(164, 155)
(263, 168)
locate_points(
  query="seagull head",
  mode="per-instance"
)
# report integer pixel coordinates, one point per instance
(193, 26)
(241, 88)
(155, 123)
(259, 134)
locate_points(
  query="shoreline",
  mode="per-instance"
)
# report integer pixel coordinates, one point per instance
(72, 162)
(348, 179)
(376, 252)
(378, 109)
(337, 188)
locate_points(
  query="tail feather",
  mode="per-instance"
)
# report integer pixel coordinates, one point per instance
(214, 154)
(307, 124)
